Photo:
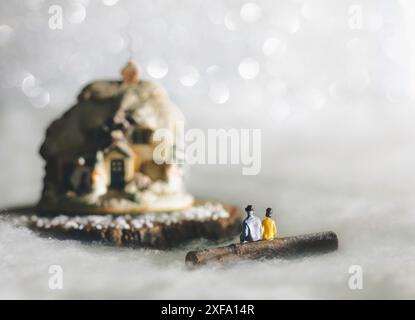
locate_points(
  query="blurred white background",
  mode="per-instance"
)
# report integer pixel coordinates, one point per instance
(329, 83)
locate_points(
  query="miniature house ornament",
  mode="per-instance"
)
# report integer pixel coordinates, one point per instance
(99, 154)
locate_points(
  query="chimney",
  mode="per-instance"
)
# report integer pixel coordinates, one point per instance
(130, 73)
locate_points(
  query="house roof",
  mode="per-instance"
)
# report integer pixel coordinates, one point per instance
(120, 147)
(104, 104)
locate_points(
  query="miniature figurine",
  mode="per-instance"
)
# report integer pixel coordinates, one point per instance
(80, 179)
(269, 229)
(251, 226)
(99, 183)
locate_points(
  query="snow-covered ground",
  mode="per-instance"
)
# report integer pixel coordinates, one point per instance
(357, 184)
(337, 143)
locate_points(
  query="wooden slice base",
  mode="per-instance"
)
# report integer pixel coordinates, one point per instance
(213, 221)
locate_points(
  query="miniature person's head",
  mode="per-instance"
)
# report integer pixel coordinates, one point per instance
(249, 210)
(268, 212)
(130, 73)
(81, 161)
(99, 157)
(117, 135)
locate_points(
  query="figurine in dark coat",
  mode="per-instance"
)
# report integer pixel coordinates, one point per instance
(251, 226)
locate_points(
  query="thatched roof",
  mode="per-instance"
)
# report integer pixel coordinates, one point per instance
(106, 105)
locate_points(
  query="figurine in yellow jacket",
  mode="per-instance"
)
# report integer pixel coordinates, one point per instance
(269, 229)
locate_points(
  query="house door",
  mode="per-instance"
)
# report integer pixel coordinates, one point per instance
(117, 174)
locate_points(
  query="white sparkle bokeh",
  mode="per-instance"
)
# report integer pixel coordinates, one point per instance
(219, 93)
(76, 13)
(189, 76)
(251, 12)
(157, 68)
(248, 68)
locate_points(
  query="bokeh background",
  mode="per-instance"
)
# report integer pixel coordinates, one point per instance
(329, 83)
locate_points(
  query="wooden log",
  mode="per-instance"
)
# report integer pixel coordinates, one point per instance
(283, 248)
